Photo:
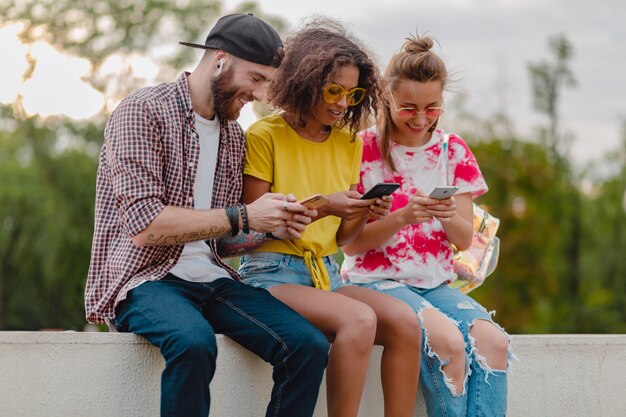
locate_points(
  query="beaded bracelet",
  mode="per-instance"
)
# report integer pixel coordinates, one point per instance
(244, 217)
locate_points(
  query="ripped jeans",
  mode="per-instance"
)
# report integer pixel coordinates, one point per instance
(485, 390)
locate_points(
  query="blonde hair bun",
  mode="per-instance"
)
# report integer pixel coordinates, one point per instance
(415, 45)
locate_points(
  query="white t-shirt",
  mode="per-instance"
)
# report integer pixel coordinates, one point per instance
(197, 262)
(418, 254)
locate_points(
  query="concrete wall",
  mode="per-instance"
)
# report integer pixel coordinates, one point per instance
(117, 375)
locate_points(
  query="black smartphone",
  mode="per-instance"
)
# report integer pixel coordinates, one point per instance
(380, 189)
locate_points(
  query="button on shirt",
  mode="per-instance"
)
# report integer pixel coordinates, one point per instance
(149, 161)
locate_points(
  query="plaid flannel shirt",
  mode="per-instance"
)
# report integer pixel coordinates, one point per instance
(148, 161)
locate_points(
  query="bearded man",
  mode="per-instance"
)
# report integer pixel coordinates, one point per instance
(169, 184)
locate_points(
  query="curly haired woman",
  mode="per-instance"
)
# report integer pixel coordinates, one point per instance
(325, 86)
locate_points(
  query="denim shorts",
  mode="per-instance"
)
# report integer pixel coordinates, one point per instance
(266, 269)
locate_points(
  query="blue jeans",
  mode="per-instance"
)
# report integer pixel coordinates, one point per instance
(266, 269)
(181, 318)
(485, 390)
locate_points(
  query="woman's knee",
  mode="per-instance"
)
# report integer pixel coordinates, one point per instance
(454, 343)
(358, 327)
(446, 341)
(491, 343)
(500, 342)
(401, 324)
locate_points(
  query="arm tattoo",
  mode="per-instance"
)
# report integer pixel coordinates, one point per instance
(228, 246)
(162, 240)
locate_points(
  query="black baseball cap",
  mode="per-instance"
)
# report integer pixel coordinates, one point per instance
(244, 36)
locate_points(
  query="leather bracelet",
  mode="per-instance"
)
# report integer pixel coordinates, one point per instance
(229, 215)
(244, 217)
(269, 235)
(234, 222)
(232, 213)
(236, 219)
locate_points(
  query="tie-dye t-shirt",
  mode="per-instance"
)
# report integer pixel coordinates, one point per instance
(418, 254)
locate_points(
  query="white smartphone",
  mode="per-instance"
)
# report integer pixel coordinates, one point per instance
(443, 191)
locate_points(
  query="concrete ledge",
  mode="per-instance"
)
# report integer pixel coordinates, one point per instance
(118, 375)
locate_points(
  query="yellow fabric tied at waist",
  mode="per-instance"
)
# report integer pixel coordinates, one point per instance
(318, 270)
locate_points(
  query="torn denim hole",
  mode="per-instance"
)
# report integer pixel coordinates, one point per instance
(387, 285)
(481, 360)
(431, 353)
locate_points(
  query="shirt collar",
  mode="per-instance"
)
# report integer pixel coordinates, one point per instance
(182, 83)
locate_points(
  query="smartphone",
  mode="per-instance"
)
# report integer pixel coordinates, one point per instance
(381, 189)
(314, 201)
(443, 191)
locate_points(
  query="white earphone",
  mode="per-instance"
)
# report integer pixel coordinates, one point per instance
(220, 65)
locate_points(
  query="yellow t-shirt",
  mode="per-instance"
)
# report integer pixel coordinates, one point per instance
(292, 164)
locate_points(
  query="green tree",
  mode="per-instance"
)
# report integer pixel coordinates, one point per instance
(47, 198)
(48, 166)
(548, 79)
(521, 178)
(603, 265)
(562, 267)
(98, 29)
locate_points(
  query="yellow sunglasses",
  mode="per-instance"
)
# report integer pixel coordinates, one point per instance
(333, 93)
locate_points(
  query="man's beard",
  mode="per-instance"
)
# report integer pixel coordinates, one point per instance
(224, 96)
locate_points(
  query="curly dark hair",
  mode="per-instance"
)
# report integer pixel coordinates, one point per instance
(312, 57)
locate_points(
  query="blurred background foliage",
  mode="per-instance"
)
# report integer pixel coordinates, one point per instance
(563, 228)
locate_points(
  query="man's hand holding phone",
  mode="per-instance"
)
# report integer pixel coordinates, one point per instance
(281, 215)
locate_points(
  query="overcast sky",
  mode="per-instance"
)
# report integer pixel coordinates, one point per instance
(488, 43)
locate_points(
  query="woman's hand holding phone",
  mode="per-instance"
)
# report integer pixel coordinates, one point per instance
(381, 207)
(416, 211)
(441, 208)
(439, 203)
(347, 205)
